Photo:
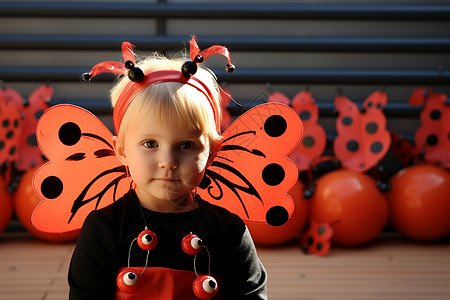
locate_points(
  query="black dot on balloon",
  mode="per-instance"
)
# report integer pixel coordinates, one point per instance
(2, 145)
(308, 141)
(432, 140)
(369, 104)
(31, 140)
(371, 128)
(347, 121)
(5, 123)
(277, 216)
(305, 115)
(310, 240)
(69, 134)
(275, 126)
(376, 147)
(273, 174)
(435, 114)
(51, 187)
(352, 146)
(16, 123)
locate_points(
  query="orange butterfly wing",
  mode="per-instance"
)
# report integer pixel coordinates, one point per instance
(251, 174)
(362, 139)
(83, 173)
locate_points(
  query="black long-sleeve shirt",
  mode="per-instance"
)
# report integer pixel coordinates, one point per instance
(107, 234)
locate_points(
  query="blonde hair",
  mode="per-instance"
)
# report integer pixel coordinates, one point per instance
(174, 102)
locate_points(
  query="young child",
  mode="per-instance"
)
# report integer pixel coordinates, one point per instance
(161, 240)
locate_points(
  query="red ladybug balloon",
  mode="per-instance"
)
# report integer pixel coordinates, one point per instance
(129, 280)
(419, 202)
(147, 240)
(352, 203)
(191, 244)
(205, 287)
(6, 206)
(265, 234)
(25, 200)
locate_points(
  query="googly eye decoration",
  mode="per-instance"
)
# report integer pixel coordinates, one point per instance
(129, 281)
(205, 287)
(192, 244)
(147, 240)
(251, 173)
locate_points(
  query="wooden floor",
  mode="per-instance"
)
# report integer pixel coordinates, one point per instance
(390, 268)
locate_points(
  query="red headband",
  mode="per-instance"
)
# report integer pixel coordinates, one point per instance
(139, 80)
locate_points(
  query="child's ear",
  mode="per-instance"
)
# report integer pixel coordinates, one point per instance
(214, 148)
(119, 150)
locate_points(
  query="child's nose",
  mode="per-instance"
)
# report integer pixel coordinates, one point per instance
(168, 160)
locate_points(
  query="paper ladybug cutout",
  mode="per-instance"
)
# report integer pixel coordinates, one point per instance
(433, 136)
(147, 240)
(205, 287)
(32, 110)
(192, 244)
(314, 138)
(10, 127)
(249, 176)
(317, 240)
(129, 281)
(362, 138)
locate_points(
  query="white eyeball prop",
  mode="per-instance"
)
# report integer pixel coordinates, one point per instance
(191, 244)
(147, 240)
(129, 281)
(205, 287)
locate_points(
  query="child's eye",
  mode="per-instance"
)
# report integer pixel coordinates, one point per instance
(187, 145)
(151, 144)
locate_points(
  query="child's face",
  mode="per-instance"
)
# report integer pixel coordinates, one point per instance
(166, 161)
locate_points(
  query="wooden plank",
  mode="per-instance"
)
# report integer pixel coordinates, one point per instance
(390, 268)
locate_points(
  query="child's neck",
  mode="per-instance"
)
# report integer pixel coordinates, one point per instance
(183, 204)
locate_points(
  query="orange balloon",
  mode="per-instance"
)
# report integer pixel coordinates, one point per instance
(6, 206)
(353, 204)
(25, 200)
(265, 234)
(419, 202)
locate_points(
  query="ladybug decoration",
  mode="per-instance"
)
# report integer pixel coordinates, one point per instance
(353, 203)
(362, 138)
(433, 136)
(419, 202)
(10, 130)
(314, 138)
(317, 239)
(19, 116)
